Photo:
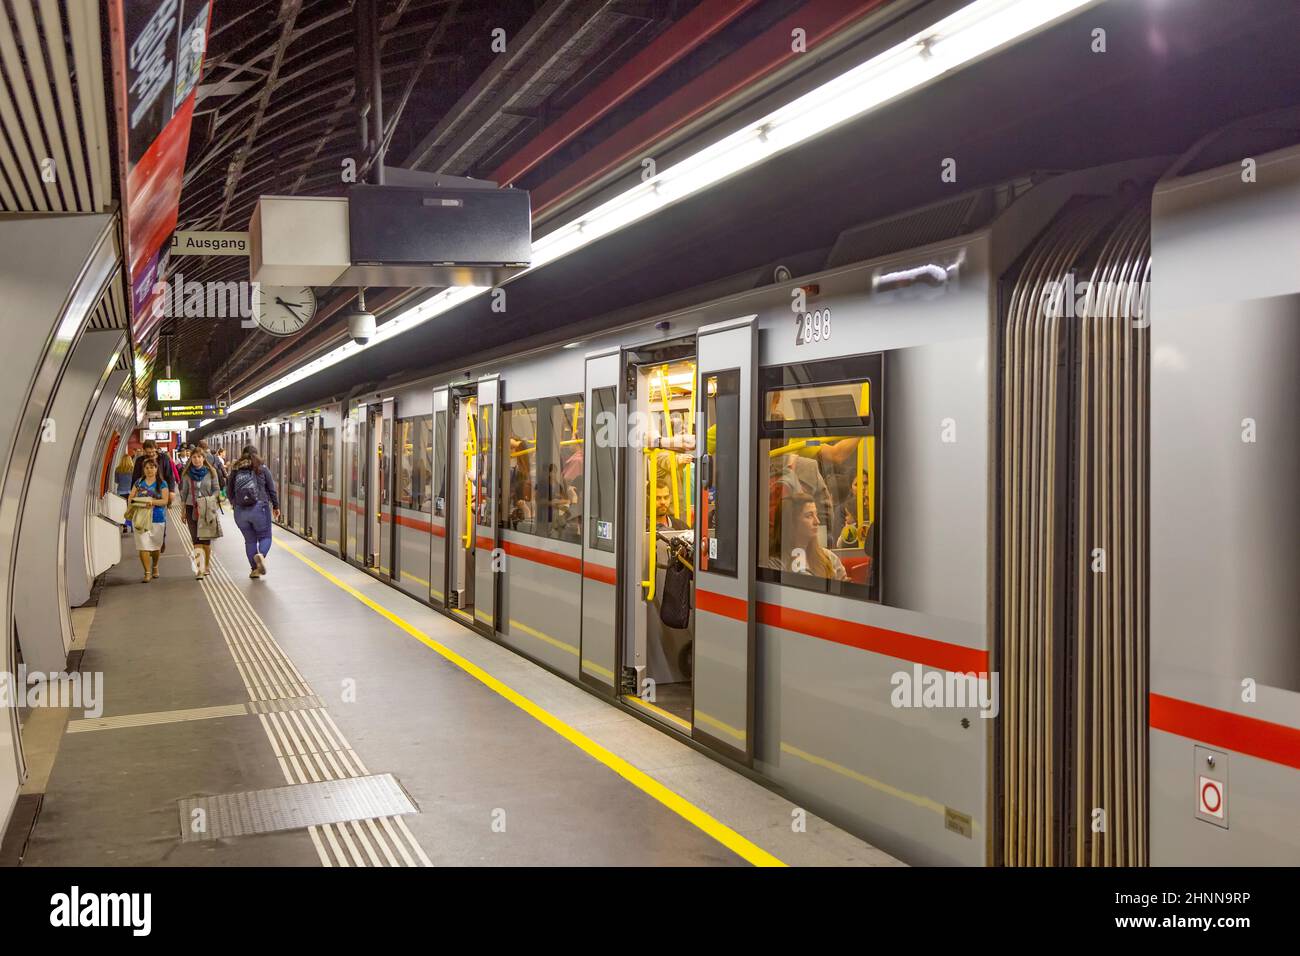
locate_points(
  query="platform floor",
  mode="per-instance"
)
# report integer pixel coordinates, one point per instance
(320, 672)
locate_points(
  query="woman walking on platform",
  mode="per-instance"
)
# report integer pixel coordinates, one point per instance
(199, 487)
(150, 522)
(251, 489)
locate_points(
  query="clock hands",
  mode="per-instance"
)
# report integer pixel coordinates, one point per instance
(290, 306)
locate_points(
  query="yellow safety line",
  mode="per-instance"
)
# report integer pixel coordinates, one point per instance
(658, 711)
(709, 824)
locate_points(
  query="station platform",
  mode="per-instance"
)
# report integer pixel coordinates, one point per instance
(318, 717)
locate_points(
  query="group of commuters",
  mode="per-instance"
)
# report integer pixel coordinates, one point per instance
(201, 480)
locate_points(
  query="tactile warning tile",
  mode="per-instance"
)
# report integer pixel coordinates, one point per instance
(291, 808)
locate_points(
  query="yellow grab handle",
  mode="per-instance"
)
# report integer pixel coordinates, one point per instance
(652, 462)
(471, 449)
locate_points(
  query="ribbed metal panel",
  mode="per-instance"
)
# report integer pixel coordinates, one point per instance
(110, 313)
(53, 116)
(1072, 610)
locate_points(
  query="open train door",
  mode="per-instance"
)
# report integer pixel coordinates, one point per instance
(600, 628)
(488, 560)
(440, 541)
(725, 616)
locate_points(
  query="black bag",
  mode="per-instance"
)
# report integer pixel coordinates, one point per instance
(675, 607)
(245, 489)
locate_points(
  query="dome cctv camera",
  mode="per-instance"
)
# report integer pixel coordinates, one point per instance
(361, 323)
(361, 326)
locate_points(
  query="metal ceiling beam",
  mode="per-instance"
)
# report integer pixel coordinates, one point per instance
(289, 10)
(470, 106)
(671, 46)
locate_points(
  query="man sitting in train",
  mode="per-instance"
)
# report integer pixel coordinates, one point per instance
(664, 517)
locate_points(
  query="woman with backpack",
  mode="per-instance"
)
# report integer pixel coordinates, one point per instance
(199, 487)
(251, 489)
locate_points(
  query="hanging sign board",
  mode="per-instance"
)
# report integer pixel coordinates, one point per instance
(169, 389)
(193, 410)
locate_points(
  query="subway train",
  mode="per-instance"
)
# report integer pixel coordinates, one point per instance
(980, 541)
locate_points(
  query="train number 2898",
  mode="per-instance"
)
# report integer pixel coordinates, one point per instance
(812, 326)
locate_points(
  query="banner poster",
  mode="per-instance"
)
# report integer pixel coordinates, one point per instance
(158, 48)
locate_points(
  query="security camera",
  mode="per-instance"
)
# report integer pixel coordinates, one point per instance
(361, 325)
(361, 322)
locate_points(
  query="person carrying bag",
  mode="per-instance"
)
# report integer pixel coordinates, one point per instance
(199, 489)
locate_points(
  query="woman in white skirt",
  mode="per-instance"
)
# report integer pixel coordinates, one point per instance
(151, 487)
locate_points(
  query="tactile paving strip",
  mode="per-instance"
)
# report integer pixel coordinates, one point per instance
(292, 808)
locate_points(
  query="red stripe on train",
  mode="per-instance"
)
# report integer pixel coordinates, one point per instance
(910, 647)
(878, 640)
(1276, 743)
(713, 603)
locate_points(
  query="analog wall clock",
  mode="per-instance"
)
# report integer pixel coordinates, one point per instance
(284, 310)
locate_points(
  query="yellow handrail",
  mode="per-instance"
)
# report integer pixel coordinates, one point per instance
(652, 486)
(471, 449)
(690, 430)
(668, 426)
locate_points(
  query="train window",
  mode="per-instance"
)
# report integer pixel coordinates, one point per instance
(413, 450)
(327, 460)
(564, 470)
(519, 509)
(604, 492)
(720, 477)
(819, 476)
(439, 466)
(541, 486)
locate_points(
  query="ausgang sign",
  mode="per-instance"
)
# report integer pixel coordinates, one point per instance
(209, 243)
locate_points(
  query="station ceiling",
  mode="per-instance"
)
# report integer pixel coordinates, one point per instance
(277, 113)
(1173, 73)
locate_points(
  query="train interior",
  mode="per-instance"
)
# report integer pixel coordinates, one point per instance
(661, 496)
(821, 440)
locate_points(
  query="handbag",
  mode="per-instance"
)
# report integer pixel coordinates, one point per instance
(675, 608)
(140, 516)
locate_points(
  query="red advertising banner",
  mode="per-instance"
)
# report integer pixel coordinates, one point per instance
(158, 48)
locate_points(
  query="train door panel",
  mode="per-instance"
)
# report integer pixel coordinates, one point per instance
(462, 461)
(412, 501)
(439, 540)
(374, 487)
(387, 459)
(311, 493)
(725, 620)
(600, 627)
(488, 562)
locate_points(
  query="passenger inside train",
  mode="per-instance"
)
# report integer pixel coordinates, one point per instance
(820, 439)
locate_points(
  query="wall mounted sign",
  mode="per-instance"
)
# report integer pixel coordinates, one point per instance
(188, 243)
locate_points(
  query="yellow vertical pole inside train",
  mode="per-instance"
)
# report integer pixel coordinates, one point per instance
(690, 430)
(869, 447)
(668, 427)
(471, 449)
(652, 489)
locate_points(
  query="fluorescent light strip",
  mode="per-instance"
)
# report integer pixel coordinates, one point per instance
(953, 42)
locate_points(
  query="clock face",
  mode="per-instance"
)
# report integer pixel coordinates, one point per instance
(283, 310)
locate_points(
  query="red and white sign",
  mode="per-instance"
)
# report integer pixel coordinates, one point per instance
(1209, 797)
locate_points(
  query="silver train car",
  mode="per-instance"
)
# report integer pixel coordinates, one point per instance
(987, 531)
